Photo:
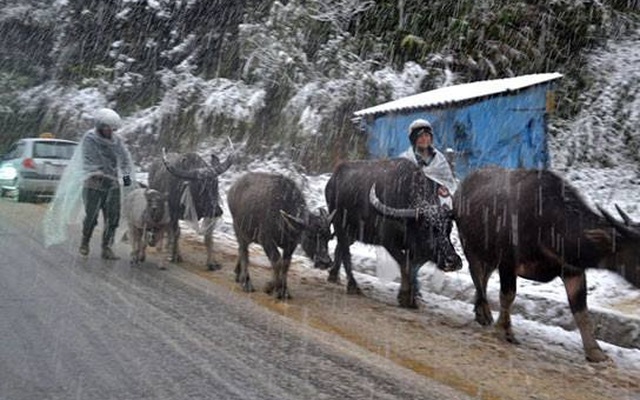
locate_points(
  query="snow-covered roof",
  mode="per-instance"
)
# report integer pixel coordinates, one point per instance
(453, 94)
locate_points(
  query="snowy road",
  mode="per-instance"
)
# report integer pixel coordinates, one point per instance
(74, 328)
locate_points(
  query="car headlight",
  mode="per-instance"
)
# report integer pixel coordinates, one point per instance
(8, 172)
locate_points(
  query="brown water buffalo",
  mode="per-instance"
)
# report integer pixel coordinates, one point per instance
(390, 203)
(270, 210)
(534, 225)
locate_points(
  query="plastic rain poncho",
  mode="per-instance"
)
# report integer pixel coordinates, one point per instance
(89, 159)
(438, 170)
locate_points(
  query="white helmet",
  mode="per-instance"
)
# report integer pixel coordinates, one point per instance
(417, 127)
(420, 123)
(107, 117)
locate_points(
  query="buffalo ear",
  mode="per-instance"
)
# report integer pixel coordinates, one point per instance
(294, 222)
(600, 238)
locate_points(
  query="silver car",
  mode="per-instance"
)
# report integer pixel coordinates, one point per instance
(32, 167)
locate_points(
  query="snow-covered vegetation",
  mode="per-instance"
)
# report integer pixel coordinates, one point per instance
(274, 74)
(605, 132)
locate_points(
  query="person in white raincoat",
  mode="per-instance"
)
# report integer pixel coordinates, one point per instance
(94, 175)
(432, 162)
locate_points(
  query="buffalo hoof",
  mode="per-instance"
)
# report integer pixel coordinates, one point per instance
(280, 293)
(407, 301)
(176, 258)
(596, 355)
(247, 286)
(134, 262)
(283, 295)
(333, 278)
(322, 265)
(483, 315)
(408, 304)
(269, 287)
(353, 289)
(507, 335)
(214, 266)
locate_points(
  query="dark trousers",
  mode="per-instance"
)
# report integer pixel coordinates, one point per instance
(101, 195)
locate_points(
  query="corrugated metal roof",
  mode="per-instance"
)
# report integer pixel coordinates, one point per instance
(458, 93)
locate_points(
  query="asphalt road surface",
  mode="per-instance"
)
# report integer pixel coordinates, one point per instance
(85, 328)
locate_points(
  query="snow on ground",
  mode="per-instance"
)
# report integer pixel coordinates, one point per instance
(540, 312)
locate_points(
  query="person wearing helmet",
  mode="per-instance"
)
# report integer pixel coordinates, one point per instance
(104, 156)
(432, 162)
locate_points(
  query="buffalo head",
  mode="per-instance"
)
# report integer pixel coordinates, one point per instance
(190, 167)
(156, 210)
(316, 234)
(623, 249)
(433, 223)
(203, 181)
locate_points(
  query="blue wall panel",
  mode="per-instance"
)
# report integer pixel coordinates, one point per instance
(507, 130)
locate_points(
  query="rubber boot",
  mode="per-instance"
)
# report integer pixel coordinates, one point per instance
(108, 254)
(107, 241)
(84, 246)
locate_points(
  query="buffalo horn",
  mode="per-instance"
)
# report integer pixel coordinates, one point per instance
(390, 211)
(324, 213)
(623, 229)
(293, 219)
(333, 214)
(625, 217)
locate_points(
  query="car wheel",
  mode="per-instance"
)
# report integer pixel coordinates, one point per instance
(21, 195)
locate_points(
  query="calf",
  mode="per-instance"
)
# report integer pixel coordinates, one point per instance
(147, 215)
(270, 210)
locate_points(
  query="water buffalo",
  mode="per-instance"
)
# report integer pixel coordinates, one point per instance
(390, 203)
(270, 210)
(147, 215)
(192, 188)
(534, 225)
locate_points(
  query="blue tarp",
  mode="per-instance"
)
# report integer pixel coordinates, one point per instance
(508, 130)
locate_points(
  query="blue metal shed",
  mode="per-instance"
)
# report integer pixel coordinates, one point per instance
(495, 122)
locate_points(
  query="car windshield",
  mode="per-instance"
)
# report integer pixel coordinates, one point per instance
(52, 149)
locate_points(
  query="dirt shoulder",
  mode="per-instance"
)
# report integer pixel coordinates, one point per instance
(460, 354)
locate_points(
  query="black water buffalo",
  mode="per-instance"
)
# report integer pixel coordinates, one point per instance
(534, 225)
(192, 188)
(390, 203)
(270, 210)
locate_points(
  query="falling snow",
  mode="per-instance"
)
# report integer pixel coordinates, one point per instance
(597, 152)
